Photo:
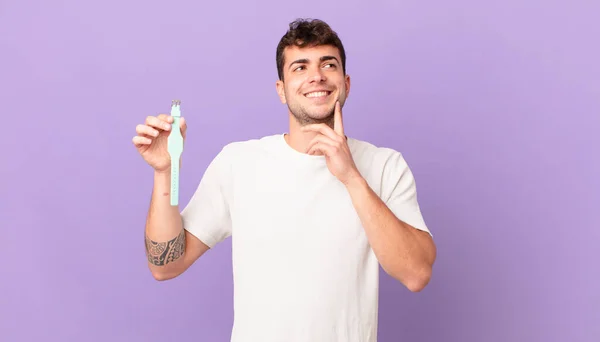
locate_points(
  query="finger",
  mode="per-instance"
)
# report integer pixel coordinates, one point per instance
(183, 126)
(321, 139)
(325, 149)
(338, 125)
(321, 128)
(158, 123)
(139, 141)
(143, 129)
(165, 117)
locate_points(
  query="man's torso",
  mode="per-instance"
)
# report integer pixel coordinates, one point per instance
(303, 268)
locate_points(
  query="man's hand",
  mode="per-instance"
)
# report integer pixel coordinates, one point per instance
(332, 143)
(151, 140)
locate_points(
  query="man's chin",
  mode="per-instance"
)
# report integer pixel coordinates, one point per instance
(320, 117)
(321, 113)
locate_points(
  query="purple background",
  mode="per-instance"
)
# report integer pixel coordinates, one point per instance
(495, 105)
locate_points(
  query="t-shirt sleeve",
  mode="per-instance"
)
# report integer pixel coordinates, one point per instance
(207, 215)
(399, 192)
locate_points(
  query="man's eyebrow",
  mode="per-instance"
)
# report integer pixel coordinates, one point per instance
(327, 58)
(299, 61)
(305, 60)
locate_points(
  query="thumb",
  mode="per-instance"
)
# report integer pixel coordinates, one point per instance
(183, 126)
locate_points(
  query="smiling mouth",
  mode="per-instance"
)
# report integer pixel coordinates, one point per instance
(317, 94)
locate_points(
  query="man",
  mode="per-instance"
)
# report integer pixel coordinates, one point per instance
(312, 213)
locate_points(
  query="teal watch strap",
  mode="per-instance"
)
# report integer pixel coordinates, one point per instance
(175, 149)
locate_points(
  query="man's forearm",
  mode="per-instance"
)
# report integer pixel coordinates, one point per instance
(165, 237)
(403, 252)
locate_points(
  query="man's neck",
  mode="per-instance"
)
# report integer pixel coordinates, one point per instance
(297, 139)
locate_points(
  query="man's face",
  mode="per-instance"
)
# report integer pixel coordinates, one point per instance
(313, 80)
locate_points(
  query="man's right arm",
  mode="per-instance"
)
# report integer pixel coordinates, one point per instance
(170, 249)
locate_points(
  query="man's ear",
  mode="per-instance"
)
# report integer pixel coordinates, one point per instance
(347, 81)
(280, 91)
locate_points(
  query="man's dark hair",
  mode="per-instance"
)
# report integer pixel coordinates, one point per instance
(308, 33)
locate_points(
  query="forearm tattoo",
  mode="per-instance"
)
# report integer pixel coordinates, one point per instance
(162, 253)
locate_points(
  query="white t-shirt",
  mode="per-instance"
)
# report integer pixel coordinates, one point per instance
(303, 269)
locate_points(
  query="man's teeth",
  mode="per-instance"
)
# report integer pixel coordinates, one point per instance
(317, 94)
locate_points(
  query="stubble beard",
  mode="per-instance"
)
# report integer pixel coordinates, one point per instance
(304, 118)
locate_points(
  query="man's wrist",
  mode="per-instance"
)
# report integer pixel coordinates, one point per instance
(356, 183)
(162, 177)
(162, 173)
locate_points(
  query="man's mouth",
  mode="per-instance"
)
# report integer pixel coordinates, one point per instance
(317, 94)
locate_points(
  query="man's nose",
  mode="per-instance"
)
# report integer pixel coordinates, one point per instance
(317, 75)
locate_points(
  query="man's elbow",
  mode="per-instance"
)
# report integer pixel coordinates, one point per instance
(162, 276)
(417, 284)
(417, 281)
(421, 276)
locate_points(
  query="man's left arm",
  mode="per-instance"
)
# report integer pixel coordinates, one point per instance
(404, 252)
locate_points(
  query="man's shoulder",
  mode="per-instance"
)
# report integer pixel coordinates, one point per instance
(369, 152)
(382, 166)
(245, 148)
